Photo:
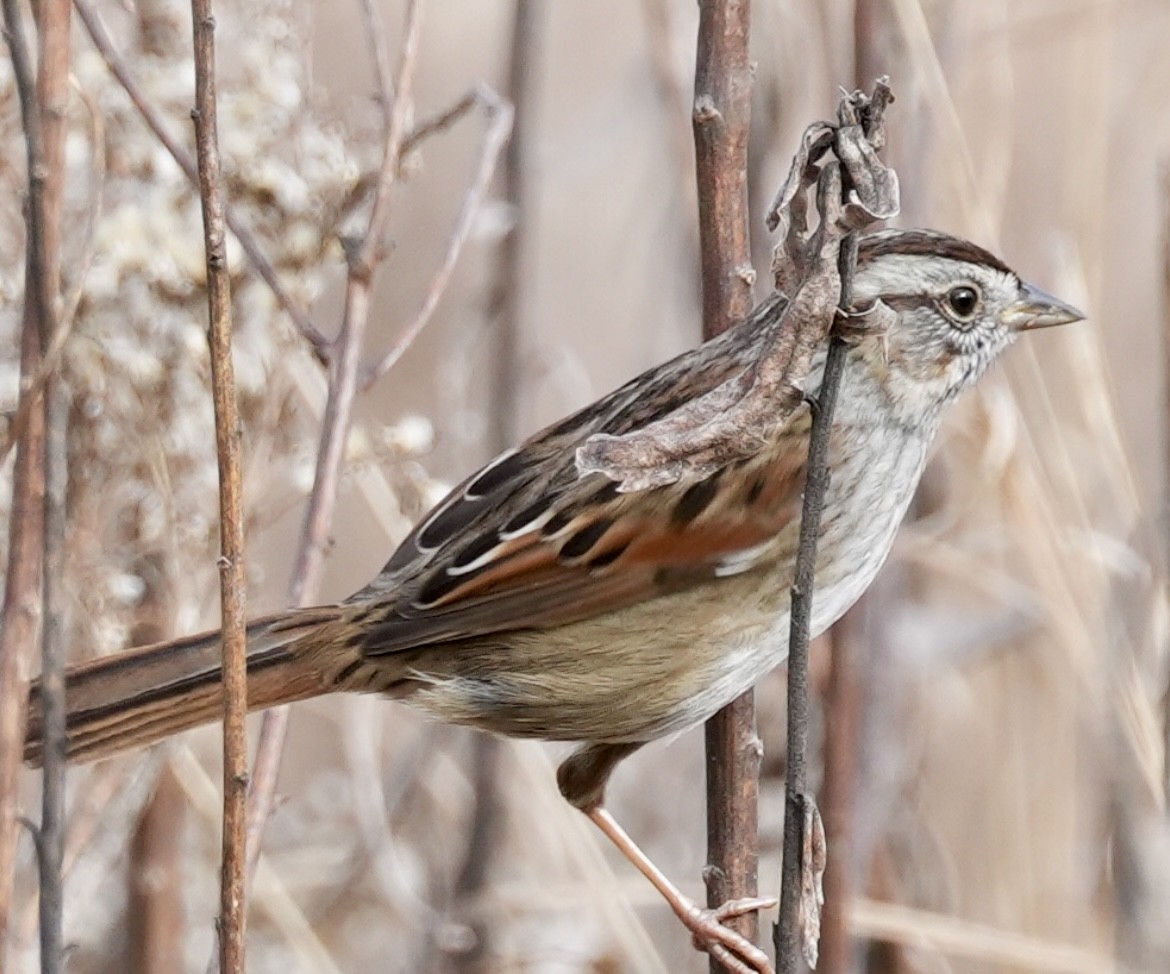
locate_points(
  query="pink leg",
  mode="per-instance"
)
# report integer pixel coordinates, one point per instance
(733, 951)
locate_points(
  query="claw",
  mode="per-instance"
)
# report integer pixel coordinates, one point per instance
(748, 904)
(710, 934)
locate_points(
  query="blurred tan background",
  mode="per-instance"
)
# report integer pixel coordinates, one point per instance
(1009, 805)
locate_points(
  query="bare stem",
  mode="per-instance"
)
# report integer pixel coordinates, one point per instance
(788, 935)
(52, 680)
(233, 892)
(21, 609)
(53, 98)
(845, 698)
(500, 125)
(721, 118)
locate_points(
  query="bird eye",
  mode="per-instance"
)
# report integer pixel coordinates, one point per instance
(963, 301)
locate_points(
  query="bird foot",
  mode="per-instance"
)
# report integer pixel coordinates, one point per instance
(711, 935)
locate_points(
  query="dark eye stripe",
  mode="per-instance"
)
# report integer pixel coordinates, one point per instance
(908, 302)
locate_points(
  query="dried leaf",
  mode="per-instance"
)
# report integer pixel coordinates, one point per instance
(739, 418)
(813, 858)
(874, 193)
(817, 139)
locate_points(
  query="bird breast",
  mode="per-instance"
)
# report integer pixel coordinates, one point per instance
(661, 666)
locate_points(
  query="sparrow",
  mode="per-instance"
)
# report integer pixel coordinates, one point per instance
(542, 599)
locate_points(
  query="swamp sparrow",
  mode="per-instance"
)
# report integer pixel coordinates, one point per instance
(538, 600)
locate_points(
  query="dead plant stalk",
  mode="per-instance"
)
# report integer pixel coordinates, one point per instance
(22, 593)
(721, 118)
(233, 906)
(53, 91)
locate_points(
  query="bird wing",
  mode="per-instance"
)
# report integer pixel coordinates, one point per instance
(528, 542)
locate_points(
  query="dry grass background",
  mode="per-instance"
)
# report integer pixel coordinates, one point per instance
(1011, 793)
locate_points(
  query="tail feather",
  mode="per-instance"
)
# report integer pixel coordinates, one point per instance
(137, 697)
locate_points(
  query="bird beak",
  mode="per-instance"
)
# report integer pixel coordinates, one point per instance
(1039, 309)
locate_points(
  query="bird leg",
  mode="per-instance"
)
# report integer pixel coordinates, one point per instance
(582, 781)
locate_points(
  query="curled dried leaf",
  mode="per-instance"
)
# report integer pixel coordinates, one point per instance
(871, 322)
(738, 418)
(816, 141)
(813, 859)
(872, 187)
(695, 440)
(800, 256)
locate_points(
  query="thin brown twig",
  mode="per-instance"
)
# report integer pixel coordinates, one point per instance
(439, 123)
(233, 879)
(343, 384)
(845, 696)
(499, 127)
(32, 386)
(380, 54)
(721, 118)
(52, 356)
(101, 808)
(155, 122)
(21, 609)
(436, 124)
(84, 821)
(789, 936)
(852, 191)
(53, 89)
(364, 258)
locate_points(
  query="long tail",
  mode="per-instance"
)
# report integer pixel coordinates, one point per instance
(137, 697)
